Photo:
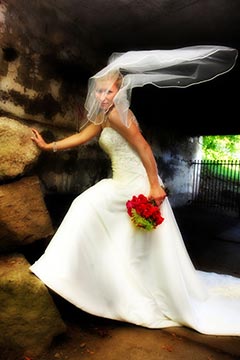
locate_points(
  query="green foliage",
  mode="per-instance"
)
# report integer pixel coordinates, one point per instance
(229, 171)
(141, 222)
(221, 147)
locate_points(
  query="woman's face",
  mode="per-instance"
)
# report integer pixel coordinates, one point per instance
(105, 92)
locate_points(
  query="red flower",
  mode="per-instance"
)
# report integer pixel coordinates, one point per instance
(143, 212)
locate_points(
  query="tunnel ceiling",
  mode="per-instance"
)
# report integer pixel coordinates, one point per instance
(81, 35)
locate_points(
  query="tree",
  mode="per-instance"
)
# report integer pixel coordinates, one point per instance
(221, 147)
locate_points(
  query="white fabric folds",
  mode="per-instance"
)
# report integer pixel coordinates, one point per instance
(100, 262)
(180, 67)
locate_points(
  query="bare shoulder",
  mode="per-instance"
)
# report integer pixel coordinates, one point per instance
(115, 119)
(113, 114)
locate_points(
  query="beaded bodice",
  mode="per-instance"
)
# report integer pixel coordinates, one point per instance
(125, 161)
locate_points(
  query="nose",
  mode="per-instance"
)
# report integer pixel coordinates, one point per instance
(103, 96)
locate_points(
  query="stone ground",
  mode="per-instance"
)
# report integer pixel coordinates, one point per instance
(213, 242)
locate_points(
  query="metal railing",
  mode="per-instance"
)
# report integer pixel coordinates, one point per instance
(216, 184)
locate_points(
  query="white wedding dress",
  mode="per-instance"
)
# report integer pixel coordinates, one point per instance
(100, 262)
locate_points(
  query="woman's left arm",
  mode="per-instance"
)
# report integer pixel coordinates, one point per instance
(135, 138)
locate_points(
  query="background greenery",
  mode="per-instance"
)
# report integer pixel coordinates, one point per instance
(221, 147)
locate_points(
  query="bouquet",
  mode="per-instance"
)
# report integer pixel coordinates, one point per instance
(144, 213)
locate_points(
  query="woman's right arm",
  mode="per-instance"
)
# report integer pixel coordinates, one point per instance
(69, 142)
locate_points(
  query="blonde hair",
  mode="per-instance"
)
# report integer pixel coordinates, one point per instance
(115, 76)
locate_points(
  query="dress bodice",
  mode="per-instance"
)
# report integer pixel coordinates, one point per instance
(124, 159)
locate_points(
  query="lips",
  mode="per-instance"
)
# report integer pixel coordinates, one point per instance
(104, 104)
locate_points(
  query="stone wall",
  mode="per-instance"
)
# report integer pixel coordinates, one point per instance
(48, 94)
(30, 319)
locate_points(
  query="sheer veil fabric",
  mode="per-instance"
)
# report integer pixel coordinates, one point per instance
(100, 262)
(180, 67)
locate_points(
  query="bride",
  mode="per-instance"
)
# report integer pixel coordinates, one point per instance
(98, 259)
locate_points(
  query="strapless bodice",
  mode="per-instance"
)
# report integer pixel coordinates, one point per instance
(124, 159)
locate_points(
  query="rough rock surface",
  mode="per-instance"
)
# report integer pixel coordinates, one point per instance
(17, 152)
(24, 217)
(29, 319)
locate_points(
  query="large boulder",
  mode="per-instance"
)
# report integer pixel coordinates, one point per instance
(18, 153)
(24, 217)
(29, 319)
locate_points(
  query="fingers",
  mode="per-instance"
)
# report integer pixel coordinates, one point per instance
(158, 201)
(35, 132)
(37, 138)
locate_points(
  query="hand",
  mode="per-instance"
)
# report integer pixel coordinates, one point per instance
(158, 194)
(39, 141)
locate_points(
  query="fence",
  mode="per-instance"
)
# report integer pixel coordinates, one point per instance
(216, 184)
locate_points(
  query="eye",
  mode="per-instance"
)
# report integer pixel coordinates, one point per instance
(103, 91)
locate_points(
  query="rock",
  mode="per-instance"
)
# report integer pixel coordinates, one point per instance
(29, 319)
(18, 153)
(24, 217)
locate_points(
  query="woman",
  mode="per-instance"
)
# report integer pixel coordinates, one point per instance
(105, 91)
(98, 260)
